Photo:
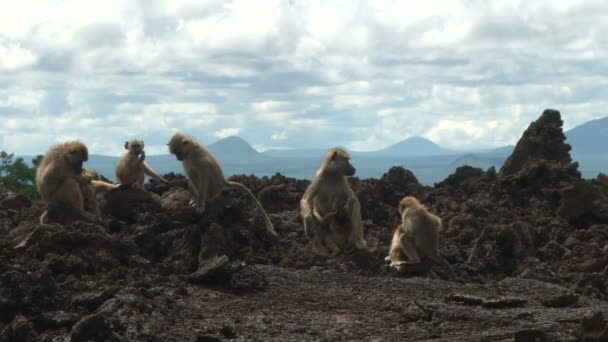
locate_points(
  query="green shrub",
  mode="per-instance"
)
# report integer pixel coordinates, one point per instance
(18, 175)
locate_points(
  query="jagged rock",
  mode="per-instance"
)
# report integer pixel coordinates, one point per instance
(402, 180)
(462, 174)
(543, 140)
(212, 272)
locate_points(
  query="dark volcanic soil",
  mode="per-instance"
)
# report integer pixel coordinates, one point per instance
(528, 244)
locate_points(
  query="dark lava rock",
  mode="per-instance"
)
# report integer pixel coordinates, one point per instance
(93, 327)
(462, 174)
(24, 292)
(16, 202)
(20, 330)
(55, 319)
(593, 327)
(213, 272)
(543, 140)
(125, 203)
(561, 301)
(532, 335)
(402, 180)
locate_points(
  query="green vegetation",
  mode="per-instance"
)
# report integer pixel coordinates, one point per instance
(18, 175)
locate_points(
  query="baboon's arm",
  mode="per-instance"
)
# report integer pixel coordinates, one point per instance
(148, 170)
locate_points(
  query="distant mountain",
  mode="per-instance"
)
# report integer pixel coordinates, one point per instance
(504, 151)
(415, 146)
(296, 153)
(590, 138)
(235, 150)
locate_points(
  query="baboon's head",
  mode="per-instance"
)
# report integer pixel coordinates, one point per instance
(180, 145)
(75, 154)
(408, 202)
(337, 161)
(135, 147)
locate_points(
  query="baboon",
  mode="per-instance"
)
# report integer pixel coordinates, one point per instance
(132, 168)
(330, 209)
(417, 236)
(99, 185)
(59, 177)
(205, 176)
(94, 175)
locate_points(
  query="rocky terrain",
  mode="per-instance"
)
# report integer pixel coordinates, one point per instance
(528, 244)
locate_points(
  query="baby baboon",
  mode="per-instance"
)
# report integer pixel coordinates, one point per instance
(132, 168)
(417, 236)
(94, 175)
(206, 178)
(59, 177)
(98, 185)
(330, 209)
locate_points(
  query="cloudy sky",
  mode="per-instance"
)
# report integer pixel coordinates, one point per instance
(295, 73)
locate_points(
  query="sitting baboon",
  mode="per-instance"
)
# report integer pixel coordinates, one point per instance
(206, 178)
(417, 236)
(132, 168)
(59, 177)
(330, 209)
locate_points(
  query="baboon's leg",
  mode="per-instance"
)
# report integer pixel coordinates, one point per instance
(409, 248)
(356, 238)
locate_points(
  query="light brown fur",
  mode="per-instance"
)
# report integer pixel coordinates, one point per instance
(59, 177)
(417, 236)
(330, 209)
(132, 168)
(206, 178)
(94, 175)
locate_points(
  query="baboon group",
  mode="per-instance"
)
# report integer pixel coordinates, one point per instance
(331, 212)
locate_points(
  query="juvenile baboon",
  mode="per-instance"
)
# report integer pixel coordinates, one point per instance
(59, 177)
(99, 185)
(206, 178)
(330, 209)
(94, 175)
(417, 236)
(132, 168)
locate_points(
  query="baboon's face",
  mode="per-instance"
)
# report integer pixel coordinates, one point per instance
(178, 145)
(135, 147)
(408, 202)
(340, 163)
(76, 155)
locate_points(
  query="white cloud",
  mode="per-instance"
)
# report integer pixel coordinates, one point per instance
(227, 132)
(14, 57)
(279, 136)
(297, 73)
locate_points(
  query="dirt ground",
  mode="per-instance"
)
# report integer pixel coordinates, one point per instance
(528, 245)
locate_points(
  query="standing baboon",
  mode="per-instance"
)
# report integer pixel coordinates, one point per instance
(59, 177)
(132, 168)
(330, 209)
(417, 236)
(206, 178)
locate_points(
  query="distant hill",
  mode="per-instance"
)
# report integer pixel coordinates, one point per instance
(235, 150)
(415, 146)
(296, 153)
(590, 138)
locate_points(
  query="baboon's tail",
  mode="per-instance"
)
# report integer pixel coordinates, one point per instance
(236, 185)
(44, 218)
